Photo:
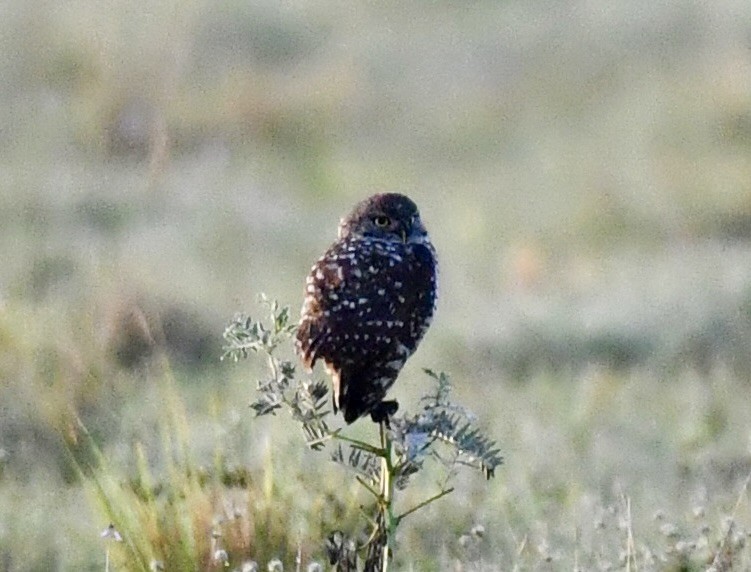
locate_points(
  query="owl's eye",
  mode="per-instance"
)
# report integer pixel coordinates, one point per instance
(381, 221)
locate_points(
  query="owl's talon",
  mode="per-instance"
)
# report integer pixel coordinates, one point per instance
(384, 411)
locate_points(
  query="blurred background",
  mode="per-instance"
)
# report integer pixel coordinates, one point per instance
(584, 169)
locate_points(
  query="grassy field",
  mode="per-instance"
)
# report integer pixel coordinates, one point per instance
(584, 169)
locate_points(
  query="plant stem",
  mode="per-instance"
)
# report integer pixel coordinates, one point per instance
(387, 494)
(370, 489)
(367, 447)
(426, 502)
(273, 365)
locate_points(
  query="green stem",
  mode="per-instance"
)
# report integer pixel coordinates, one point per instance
(370, 489)
(367, 447)
(426, 502)
(387, 495)
(273, 365)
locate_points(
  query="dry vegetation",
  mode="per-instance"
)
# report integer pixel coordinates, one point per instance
(584, 169)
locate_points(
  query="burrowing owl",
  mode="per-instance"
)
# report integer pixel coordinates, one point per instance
(368, 302)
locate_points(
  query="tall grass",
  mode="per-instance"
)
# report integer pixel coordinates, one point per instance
(185, 515)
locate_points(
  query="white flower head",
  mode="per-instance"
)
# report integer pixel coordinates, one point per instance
(111, 533)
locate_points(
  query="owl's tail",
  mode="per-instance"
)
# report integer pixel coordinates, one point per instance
(353, 395)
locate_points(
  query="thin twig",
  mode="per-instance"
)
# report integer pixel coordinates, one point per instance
(721, 550)
(323, 440)
(630, 547)
(273, 365)
(387, 494)
(362, 445)
(371, 490)
(426, 502)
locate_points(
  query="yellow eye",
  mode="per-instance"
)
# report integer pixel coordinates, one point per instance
(381, 221)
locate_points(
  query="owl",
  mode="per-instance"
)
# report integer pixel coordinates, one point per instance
(368, 302)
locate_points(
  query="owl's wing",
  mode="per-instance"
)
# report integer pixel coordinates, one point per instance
(309, 337)
(366, 308)
(342, 302)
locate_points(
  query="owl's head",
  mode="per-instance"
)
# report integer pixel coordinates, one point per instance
(387, 216)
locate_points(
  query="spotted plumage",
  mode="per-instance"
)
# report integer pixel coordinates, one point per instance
(368, 301)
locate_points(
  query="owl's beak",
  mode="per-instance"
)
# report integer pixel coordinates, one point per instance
(405, 236)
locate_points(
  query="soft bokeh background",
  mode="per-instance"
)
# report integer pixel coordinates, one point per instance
(584, 168)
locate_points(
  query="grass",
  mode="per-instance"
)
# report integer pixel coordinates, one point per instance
(584, 174)
(595, 465)
(191, 515)
(588, 483)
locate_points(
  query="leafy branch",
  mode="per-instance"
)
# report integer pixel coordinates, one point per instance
(441, 431)
(305, 400)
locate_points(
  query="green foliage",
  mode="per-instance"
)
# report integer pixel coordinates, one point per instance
(243, 335)
(406, 441)
(305, 400)
(189, 516)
